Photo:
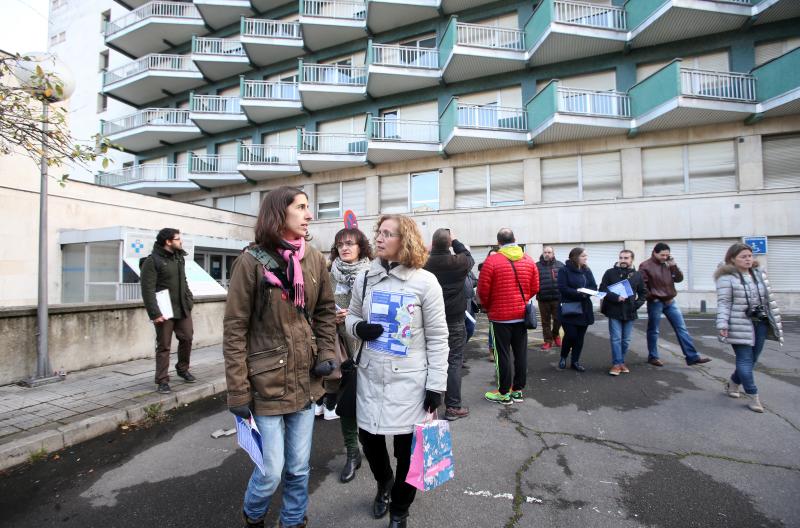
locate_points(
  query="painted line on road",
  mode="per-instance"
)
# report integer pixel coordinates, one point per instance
(505, 496)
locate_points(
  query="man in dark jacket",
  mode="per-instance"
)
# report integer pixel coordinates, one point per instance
(660, 273)
(621, 308)
(548, 297)
(451, 271)
(165, 269)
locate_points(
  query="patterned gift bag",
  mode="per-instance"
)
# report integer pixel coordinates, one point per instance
(431, 455)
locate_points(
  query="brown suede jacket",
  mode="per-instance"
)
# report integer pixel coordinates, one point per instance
(268, 359)
(660, 279)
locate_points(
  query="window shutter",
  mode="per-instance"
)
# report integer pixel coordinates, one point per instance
(643, 71)
(241, 204)
(602, 256)
(328, 200)
(679, 249)
(706, 256)
(394, 194)
(711, 61)
(225, 203)
(420, 112)
(354, 197)
(560, 179)
(506, 184)
(662, 171)
(470, 187)
(712, 167)
(782, 256)
(602, 176)
(227, 149)
(601, 81)
(781, 162)
(769, 50)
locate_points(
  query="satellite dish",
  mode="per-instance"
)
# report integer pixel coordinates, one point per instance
(25, 72)
(350, 221)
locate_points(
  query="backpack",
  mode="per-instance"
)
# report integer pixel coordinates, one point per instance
(156, 261)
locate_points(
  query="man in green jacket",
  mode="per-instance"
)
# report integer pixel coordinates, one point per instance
(165, 269)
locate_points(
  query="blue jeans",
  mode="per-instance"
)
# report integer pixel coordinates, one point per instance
(746, 357)
(675, 318)
(286, 443)
(620, 333)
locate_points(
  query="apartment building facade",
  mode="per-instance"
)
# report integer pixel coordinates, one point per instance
(603, 124)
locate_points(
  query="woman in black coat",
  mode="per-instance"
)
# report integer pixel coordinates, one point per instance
(575, 312)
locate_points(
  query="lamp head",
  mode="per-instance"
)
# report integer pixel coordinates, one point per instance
(25, 72)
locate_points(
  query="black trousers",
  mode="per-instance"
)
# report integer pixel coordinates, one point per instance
(374, 447)
(573, 341)
(511, 346)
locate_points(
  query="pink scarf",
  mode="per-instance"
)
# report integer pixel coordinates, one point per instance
(292, 257)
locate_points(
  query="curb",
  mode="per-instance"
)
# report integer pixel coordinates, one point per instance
(19, 451)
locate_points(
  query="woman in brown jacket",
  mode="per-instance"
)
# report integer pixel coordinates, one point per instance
(278, 344)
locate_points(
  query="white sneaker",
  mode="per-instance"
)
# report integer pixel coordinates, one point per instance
(319, 410)
(732, 389)
(330, 414)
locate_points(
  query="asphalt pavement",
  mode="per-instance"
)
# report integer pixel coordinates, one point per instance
(659, 447)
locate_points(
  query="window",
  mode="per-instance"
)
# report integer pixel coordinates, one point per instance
(328, 200)
(781, 156)
(105, 18)
(102, 103)
(103, 62)
(589, 177)
(698, 168)
(560, 179)
(489, 185)
(470, 187)
(333, 199)
(58, 38)
(394, 194)
(782, 255)
(425, 191)
(766, 51)
(239, 203)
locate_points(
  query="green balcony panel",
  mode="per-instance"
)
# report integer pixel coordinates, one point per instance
(778, 85)
(656, 90)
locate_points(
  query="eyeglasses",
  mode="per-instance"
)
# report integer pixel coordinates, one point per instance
(386, 234)
(346, 243)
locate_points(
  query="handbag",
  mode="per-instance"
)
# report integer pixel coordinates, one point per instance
(572, 308)
(431, 455)
(346, 401)
(530, 306)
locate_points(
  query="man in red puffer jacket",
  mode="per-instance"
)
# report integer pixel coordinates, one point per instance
(508, 280)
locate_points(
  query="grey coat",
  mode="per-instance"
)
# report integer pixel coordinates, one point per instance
(390, 389)
(732, 306)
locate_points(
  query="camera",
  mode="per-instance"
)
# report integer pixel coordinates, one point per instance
(756, 313)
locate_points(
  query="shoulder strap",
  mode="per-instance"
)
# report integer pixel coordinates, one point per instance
(521, 292)
(263, 256)
(363, 292)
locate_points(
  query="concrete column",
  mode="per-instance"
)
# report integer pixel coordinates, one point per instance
(750, 163)
(373, 195)
(532, 180)
(631, 160)
(447, 189)
(640, 252)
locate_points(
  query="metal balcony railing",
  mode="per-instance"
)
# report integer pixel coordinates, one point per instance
(404, 130)
(492, 117)
(212, 164)
(215, 104)
(257, 27)
(182, 10)
(592, 15)
(490, 37)
(334, 74)
(724, 86)
(266, 90)
(217, 46)
(129, 291)
(333, 143)
(588, 102)
(267, 155)
(346, 9)
(147, 117)
(166, 172)
(154, 62)
(405, 56)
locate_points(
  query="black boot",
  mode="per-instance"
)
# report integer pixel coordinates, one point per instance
(380, 506)
(249, 523)
(352, 463)
(397, 520)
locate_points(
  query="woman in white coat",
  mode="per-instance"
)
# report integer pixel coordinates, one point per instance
(402, 371)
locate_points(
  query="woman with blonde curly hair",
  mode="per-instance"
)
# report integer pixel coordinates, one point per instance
(397, 309)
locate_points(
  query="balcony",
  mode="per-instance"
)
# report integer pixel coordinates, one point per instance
(264, 162)
(214, 170)
(150, 128)
(559, 113)
(219, 58)
(467, 51)
(392, 140)
(154, 180)
(322, 151)
(654, 22)
(778, 85)
(130, 5)
(383, 15)
(262, 6)
(766, 11)
(328, 23)
(564, 30)
(264, 101)
(154, 27)
(150, 78)
(327, 85)
(676, 97)
(465, 127)
(271, 41)
(216, 113)
(398, 69)
(221, 13)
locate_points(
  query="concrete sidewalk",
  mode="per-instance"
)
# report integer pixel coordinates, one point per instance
(93, 402)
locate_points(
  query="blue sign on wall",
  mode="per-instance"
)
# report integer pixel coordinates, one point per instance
(758, 243)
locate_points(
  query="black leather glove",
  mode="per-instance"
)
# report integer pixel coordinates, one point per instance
(242, 411)
(324, 368)
(348, 366)
(330, 400)
(368, 331)
(432, 401)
